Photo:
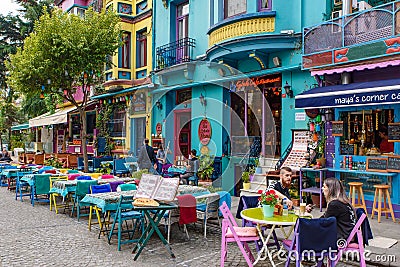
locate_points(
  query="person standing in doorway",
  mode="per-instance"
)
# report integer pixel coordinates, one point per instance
(160, 158)
(147, 158)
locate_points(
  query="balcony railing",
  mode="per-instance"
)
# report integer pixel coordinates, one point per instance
(175, 53)
(377, 23)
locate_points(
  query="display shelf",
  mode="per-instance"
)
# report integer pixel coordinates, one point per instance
(317, 189)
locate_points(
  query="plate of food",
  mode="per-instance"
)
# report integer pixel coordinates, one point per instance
(145, 202)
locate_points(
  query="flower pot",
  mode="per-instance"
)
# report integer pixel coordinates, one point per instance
(268, 211)
(246, 186)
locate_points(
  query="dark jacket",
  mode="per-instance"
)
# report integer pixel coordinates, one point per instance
(147, 157)
(365, 228)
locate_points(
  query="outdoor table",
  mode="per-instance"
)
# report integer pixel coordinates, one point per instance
(131, 166)
(152, 226)
(191, 189)
(256, 215)
(106, 201)
(65, 187)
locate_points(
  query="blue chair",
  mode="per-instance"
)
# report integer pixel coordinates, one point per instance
(305, 239)
(84, 177)
(3, 178)
(45, 168)
(119, 167)
(123, 214)
(81, 164)
(96, 189)
(22, 188)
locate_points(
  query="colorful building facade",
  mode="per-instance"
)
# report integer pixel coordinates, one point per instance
(208, 59)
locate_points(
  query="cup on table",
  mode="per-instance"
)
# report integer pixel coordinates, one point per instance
(302, 209)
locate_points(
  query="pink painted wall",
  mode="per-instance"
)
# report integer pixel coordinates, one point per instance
(67, 4)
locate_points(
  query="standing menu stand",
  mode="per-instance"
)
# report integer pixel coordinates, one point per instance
(314, 189)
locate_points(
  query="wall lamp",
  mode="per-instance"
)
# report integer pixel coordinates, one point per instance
(203, 100)
(288, 90)
(159, 105)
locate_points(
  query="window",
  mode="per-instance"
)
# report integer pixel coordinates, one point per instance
(182, 21)
(90, 122)
(264, 5)
(234, 7)
(141, 44)
(183, 96)
(125, 55)
(116, 125)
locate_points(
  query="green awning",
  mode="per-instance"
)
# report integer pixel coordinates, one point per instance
(123, 91)
(22, 126)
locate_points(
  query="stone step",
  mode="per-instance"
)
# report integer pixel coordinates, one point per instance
(259, 178)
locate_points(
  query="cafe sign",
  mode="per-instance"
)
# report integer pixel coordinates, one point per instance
(204, 131)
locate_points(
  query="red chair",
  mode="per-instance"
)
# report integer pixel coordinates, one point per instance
(107, 176)
(73, 176)
(357, 246)
(231, 232)
(50, 171)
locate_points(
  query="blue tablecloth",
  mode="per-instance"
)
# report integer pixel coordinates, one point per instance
(106, 201)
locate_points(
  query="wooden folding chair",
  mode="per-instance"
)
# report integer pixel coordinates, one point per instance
(231, 232)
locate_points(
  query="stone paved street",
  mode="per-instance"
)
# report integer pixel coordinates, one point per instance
(36, 236)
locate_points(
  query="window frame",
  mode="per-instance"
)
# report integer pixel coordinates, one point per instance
(141, 38)
(225, 9)
(126, 47)
(260, 8)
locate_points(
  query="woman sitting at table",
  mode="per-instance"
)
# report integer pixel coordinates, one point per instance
(191, 167)
(5, 156)
(339, 207)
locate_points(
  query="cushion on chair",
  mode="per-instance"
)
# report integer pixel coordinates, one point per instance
(50, 171)
(107, 176)
(353, 245)
(242, 231)
(84, 177)
(131, 213)
(73, 176)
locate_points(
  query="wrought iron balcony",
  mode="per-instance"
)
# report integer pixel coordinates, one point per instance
(358, 36)
(175, 53)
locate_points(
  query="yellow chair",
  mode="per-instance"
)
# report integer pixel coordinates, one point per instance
(94, 175)
(63, 171)
(53, 202)
(96, 189)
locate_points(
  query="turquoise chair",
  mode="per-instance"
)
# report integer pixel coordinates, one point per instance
(40, 190)
(123, 214)
(82, 188)
(126, 187)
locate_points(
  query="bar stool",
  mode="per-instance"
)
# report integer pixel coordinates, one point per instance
(382, 190)
(356, 187)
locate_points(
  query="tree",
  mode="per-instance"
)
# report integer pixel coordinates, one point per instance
(69, 51)
(13, 31)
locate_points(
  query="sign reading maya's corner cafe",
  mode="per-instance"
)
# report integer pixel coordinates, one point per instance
(204, 131)
(341, 99)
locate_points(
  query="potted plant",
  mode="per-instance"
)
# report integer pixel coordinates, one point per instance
(268, 200)
(206, 168)
(246, 180)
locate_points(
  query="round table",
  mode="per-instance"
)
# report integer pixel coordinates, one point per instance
(256, 215)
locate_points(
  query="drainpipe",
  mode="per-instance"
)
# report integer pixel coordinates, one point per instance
(346, 7)
(153, 36)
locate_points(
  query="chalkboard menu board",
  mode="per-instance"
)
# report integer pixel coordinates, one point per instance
(337, 128)
(346, 149)
(377, 164)
(393, 164)
(394, 132)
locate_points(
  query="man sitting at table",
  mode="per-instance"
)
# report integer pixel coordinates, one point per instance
(282, 186)
(5, 156)
(191, 167)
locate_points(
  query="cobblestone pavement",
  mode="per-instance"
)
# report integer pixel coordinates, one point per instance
(36, 236)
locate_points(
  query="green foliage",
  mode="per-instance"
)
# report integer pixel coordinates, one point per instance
(246, 177)
(17, 140)
(53, 161)
(206, 166)
(213, 189)
(138, 174)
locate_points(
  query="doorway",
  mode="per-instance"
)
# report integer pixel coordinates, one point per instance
(182, 133)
